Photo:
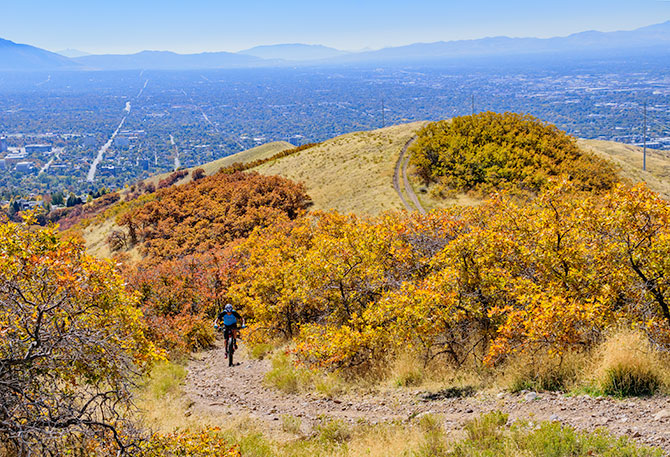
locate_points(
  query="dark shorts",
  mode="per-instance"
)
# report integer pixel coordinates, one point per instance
(228, 329)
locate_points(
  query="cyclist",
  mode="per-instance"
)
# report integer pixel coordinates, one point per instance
(229, 317)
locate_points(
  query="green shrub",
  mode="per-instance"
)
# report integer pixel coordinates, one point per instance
(628, 365)
(165, 379)
(285, 376)
(334, 431)
(261, 350)
(291, 424)
(627, 381)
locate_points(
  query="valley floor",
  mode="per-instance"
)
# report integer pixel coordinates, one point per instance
(214, 389)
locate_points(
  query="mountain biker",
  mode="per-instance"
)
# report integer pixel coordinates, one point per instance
(229, 317)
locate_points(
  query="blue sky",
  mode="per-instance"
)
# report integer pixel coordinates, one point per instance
(124, 26)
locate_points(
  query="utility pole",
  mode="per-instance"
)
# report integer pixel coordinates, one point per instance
(383, 120)
(644, 140)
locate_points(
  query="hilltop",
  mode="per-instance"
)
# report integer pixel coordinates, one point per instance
(369, 296)
(354, 173)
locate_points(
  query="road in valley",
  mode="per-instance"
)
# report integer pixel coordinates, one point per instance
(177, 162)
(90, 177)
(101, 153)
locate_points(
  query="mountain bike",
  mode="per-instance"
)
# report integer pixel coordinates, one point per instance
(230, 342)
(229, 337)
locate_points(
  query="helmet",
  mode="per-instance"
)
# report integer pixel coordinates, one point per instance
(228, 308)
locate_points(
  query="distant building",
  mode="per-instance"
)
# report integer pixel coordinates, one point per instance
(14, 157)
(3, 144)
(57, 168)
(108, 170)
(37, 148)
(89, 141)
(3, 164)
(122, 141)
(24, 167)
(28, 204)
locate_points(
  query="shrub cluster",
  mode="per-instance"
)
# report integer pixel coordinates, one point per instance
(211, 212)
(172, 178)
(239, 166)
(552, 273)
(490, 151)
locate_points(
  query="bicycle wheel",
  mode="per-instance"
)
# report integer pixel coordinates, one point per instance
(231, 350)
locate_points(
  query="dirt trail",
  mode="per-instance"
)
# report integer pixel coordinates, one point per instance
(214, 388)
(396, 177)
(401, 168)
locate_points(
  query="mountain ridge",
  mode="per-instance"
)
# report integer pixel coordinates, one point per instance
(293, 52)
(24, 57)
(653, 39)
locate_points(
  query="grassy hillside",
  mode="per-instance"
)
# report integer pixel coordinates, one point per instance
(629, 161)
(349, 173)
(259, 152)
(353, 173)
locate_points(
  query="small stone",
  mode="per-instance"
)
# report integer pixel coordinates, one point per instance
(662, 414)
(469, 410)
(501, 395)
(554, 418)
(530, 396)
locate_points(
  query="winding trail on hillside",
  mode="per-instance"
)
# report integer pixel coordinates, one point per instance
(401, 169)
(213, 388)
(396, 177)
(405, 177)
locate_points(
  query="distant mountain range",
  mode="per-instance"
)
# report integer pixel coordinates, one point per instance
(651, 39)
(14, 56)
(72, 53)
(166, 60)
(294, 52)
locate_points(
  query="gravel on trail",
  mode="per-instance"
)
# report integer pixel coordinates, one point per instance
(214, 388)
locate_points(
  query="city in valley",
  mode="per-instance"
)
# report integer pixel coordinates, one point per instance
(75, 133)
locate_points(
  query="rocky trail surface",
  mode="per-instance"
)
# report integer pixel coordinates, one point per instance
(214, 388)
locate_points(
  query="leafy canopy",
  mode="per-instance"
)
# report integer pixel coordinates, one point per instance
(72, 342)
(491, 151)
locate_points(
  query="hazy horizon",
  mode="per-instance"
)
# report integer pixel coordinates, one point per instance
(127, 27)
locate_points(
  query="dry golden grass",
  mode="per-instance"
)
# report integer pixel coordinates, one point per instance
(259, 152)
(430, 200)
(352, 173)
(629, 160)
(627, 364)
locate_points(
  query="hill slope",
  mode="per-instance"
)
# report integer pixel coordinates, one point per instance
(259, 152)
(349, 173)
(629, 161)
(15, 56)
(354, 173)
